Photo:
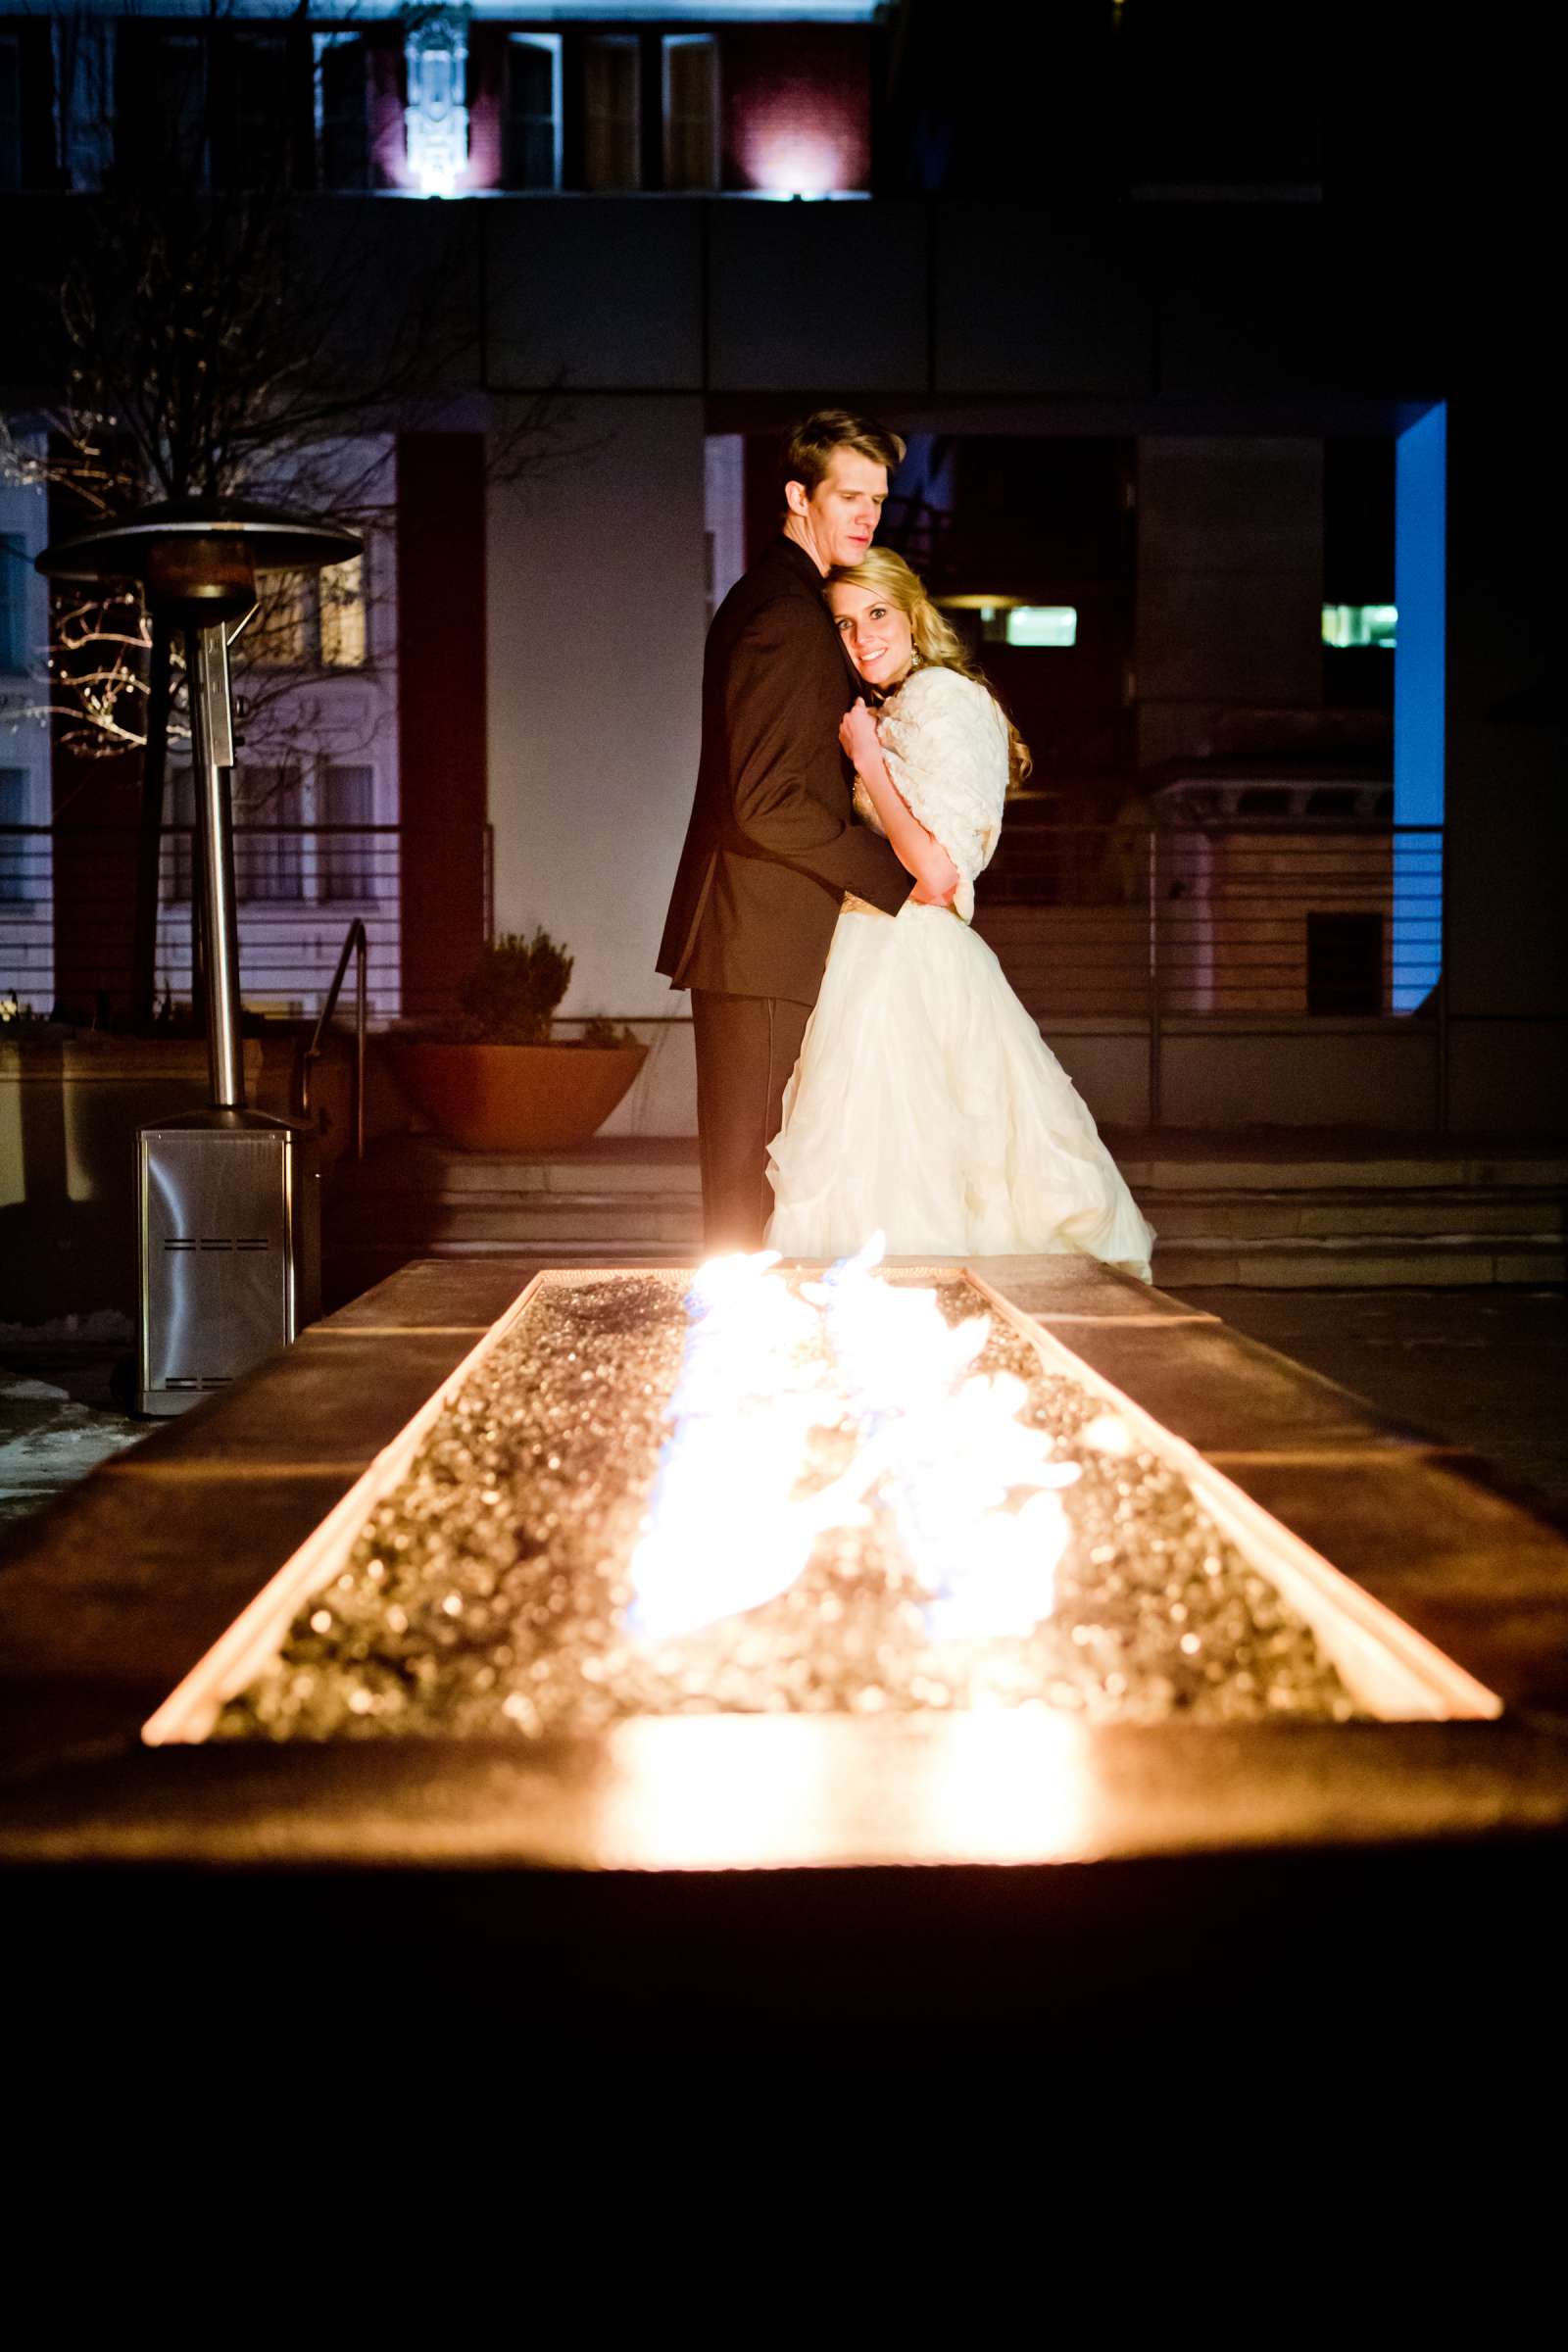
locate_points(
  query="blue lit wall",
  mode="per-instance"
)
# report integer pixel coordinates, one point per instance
(1420, 561)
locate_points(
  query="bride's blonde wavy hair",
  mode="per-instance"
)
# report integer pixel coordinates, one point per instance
(937, 643)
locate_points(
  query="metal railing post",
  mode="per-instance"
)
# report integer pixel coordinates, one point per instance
(1156, 1040)
(1443, 1073)
(360, 1006)
(357, 945)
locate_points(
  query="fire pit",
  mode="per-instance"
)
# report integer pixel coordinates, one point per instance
(764, 1492)
(911, 1800)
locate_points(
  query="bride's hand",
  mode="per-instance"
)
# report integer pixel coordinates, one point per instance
(857, 732)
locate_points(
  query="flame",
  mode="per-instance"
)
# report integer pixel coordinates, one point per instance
(723, 1534)
(951, 1453)
(971, 1492)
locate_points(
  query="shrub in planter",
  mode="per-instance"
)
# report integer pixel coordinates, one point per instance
(493, 1078)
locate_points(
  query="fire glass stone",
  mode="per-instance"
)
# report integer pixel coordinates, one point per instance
(487, 1594)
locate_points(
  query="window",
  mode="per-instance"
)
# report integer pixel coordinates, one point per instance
(18, 887)
(15, 574)
(269, 868)
(340, 615)
(9, 110)
(179, 822)
(84, 82)
(1350, 626)
(691, 111)
(348, 798)
(533, 111)
(1030, 625)
(311, 622)
(615, 111)
(180, 106)
(262, 108)
(342, 112)
(435, 116)
(279, 637)
(1343, 963)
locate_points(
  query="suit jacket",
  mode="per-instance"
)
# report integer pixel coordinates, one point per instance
(772, 845)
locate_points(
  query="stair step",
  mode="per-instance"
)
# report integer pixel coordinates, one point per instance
(416, 1167)
(1201, 1213)
(1399, 1172)
(387, 1254)
(1198, 1214)
(525, 1221)
(1256, 1216)
(1374, 1263)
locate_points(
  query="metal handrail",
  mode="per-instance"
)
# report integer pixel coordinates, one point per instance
(356, 945)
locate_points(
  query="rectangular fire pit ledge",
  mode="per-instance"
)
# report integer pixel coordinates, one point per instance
(1065, 1860)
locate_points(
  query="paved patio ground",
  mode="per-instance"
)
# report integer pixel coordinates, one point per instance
(1485, 1369)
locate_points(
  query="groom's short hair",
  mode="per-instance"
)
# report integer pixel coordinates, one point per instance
(808, 447)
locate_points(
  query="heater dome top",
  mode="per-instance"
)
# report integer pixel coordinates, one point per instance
(265, 538)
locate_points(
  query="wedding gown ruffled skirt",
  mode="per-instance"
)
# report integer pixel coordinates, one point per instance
(926, 1104)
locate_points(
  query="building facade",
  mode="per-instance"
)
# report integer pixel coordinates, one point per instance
(1175, 306)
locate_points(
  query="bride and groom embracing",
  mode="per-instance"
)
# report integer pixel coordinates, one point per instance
(861, 1061)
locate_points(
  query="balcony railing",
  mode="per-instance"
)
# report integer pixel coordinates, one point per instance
(1284, 917)
(1241, 927)
(66, 913)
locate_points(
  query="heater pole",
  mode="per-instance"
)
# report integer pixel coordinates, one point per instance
(213, 756)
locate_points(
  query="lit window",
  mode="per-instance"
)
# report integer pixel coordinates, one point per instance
(691, 111)
(1029, 624)
(615, 111)
(1347, 626)
(435, 117)
(279, 638)
(307, 621)
(340, 611)
(533, 111)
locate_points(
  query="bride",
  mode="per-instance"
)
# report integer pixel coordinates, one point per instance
(925, 1102)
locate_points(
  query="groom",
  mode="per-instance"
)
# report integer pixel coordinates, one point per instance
(772, 845)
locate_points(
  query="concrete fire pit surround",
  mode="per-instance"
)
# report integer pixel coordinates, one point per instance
(677, 1869)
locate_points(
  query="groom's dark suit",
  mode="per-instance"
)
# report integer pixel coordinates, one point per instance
(770, 849)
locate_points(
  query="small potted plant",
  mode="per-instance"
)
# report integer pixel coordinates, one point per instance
(493, 1078)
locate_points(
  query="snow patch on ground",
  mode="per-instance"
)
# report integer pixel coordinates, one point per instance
(49, 1438)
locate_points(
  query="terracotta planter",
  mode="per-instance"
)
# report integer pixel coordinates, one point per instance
(517, 1097)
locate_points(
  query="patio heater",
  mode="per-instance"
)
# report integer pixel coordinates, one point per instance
(228, 1198)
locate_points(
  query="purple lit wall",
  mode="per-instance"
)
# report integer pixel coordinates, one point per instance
(797, 111)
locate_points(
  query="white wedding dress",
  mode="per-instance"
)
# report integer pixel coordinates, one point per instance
(925, 1103)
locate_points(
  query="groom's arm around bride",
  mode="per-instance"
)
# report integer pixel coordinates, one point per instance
(772, 845)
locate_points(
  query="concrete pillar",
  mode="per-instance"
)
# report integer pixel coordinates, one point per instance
(441, 710)
(597, 615)
(1506, 862)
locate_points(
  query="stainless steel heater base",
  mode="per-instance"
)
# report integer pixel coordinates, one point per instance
(231, 1249)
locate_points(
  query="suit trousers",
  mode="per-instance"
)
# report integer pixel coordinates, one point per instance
(746, 1049)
